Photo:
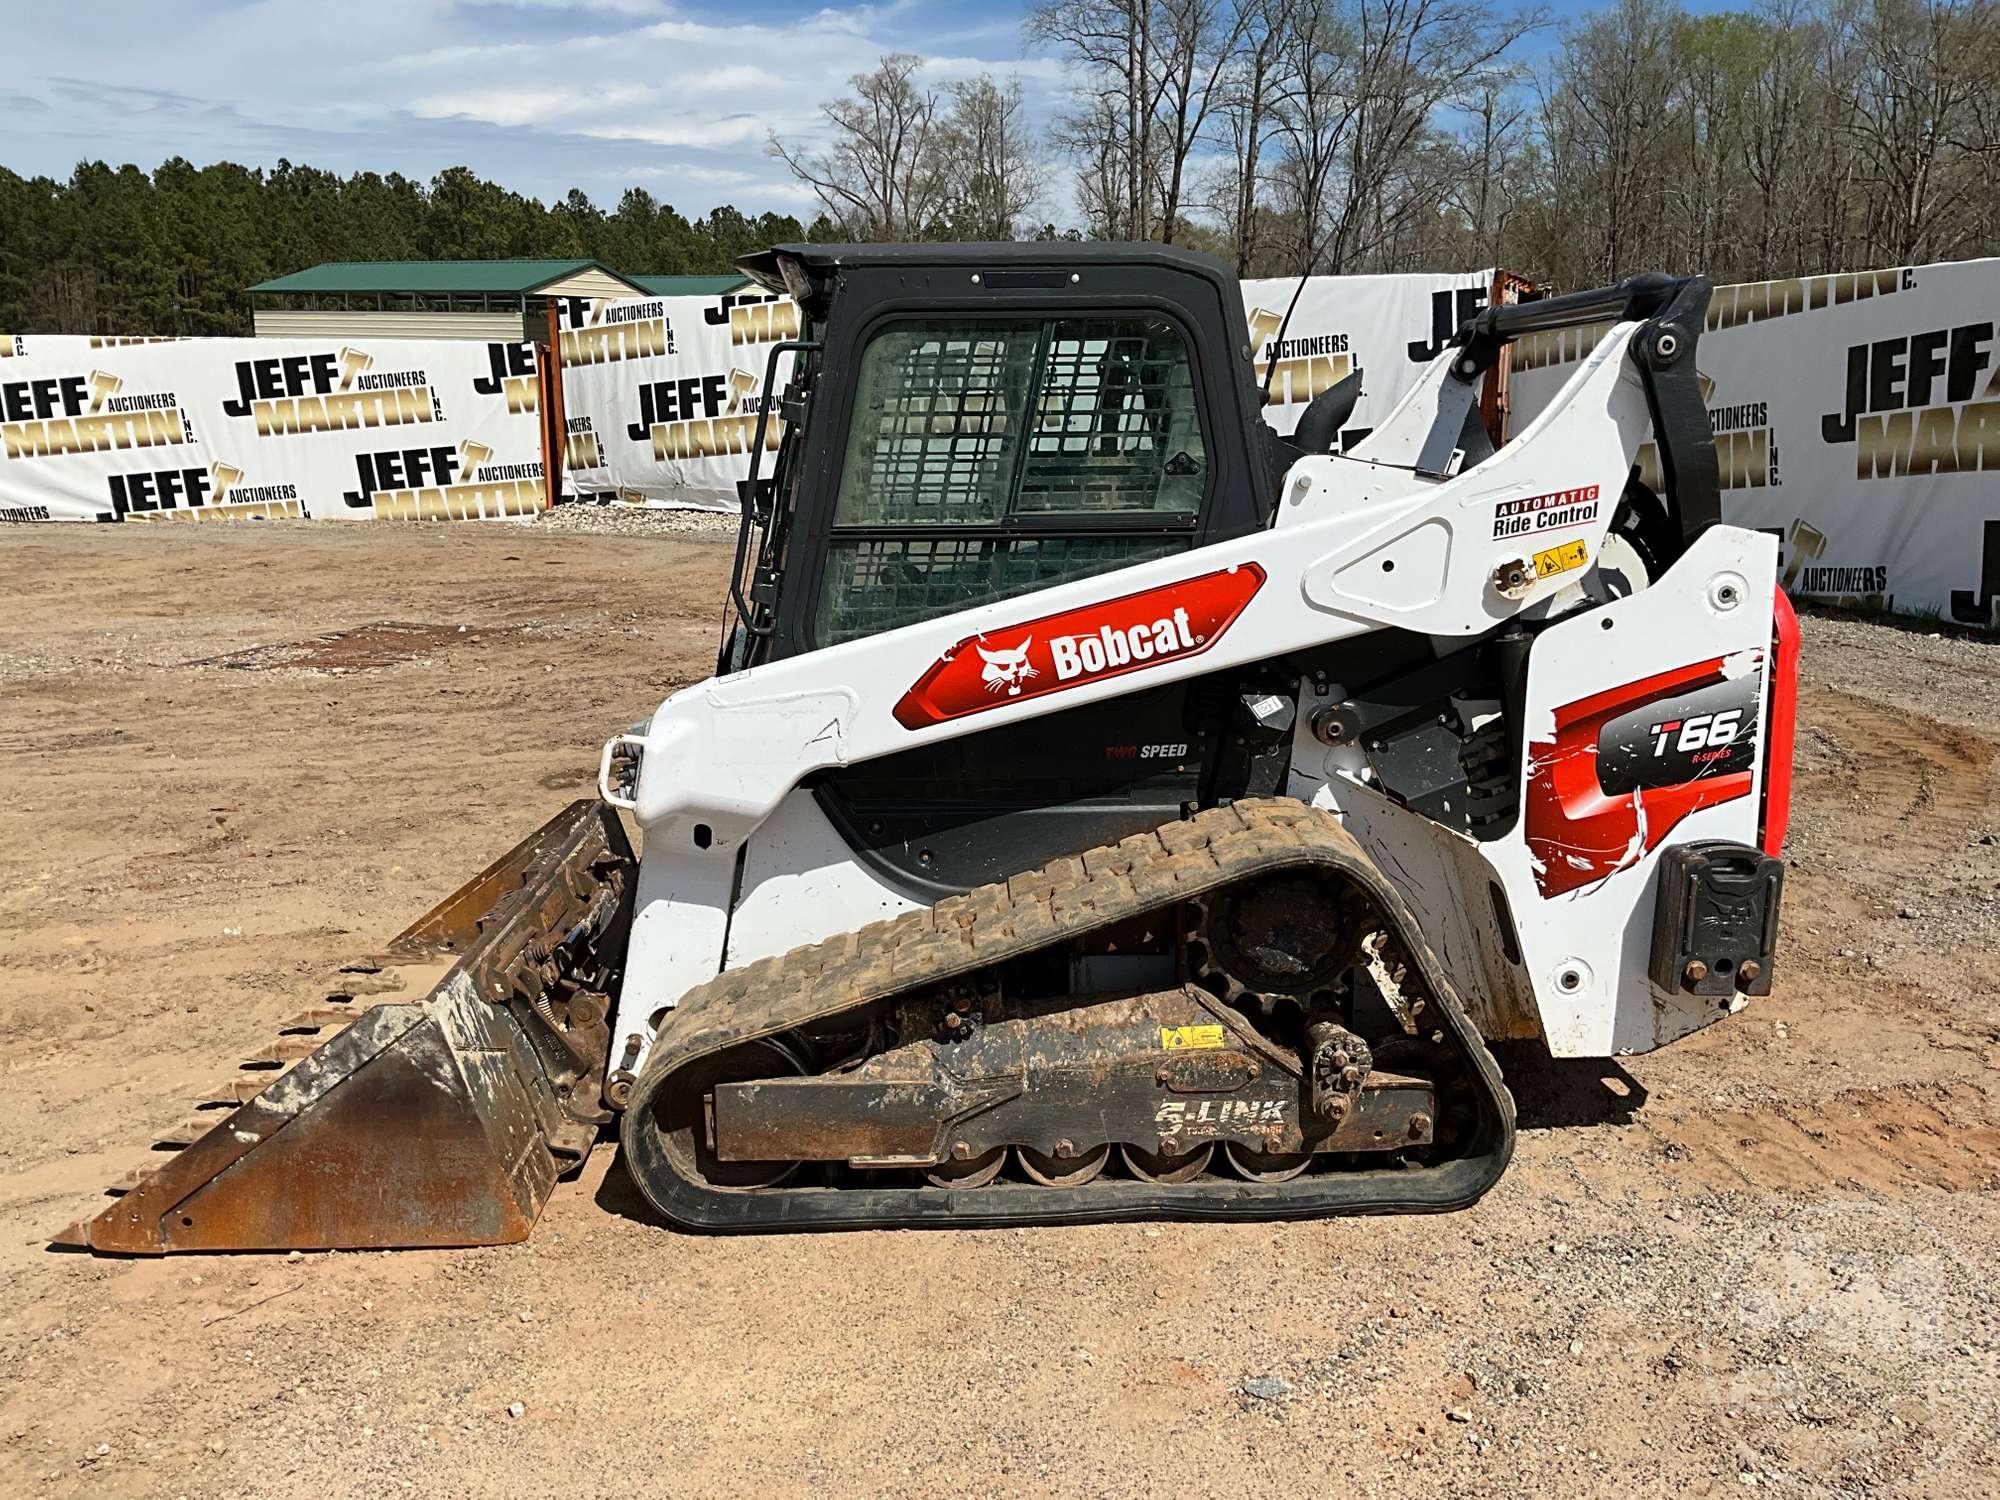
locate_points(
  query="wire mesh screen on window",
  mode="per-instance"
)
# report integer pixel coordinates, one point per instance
(942, 410)
(1114, 423)
(878, 585)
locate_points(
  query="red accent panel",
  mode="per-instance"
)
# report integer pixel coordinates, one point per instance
(1087, 644)
(1781, 727)
(1575, 830)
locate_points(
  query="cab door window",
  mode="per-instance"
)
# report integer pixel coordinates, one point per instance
(991, 457)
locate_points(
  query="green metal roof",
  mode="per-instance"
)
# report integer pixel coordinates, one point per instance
(507, 277)
(691, 286)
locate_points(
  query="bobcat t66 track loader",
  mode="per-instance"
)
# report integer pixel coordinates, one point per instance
(1103, 807)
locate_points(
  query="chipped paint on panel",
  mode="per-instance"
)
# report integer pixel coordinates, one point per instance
(1742, 663)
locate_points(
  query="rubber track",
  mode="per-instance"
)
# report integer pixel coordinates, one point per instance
(996, 922)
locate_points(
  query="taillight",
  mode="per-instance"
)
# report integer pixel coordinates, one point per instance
(1777, 809)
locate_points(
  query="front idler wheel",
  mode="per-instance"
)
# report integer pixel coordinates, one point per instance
(681, 1117)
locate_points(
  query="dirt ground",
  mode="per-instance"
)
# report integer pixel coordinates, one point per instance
(1763, 1258)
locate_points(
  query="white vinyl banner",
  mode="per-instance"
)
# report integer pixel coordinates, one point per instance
(231, 429)
(1857, 418)
(1388, 327)
(661, 396)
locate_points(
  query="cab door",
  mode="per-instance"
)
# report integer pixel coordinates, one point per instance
(987, 457)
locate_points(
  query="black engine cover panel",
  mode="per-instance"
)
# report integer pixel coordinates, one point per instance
(946, 817)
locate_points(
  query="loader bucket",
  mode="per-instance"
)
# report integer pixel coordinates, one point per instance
(436, 1097)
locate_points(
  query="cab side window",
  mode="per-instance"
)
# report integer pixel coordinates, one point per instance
(991, 457)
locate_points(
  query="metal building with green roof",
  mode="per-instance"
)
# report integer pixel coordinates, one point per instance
(463, 299)
(693, 286)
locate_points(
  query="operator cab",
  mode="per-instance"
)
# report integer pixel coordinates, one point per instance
(970, 423)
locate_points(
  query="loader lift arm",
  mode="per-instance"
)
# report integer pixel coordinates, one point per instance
(1671, 311)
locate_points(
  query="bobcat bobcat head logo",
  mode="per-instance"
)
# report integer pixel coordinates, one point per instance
(1006, 669)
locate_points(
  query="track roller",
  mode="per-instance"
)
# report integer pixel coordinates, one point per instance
(973, 1173)
(1155, 1166)
(1262, 1166)
(1060, 1171)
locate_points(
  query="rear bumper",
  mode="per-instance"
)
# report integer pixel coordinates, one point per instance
(1779, 735)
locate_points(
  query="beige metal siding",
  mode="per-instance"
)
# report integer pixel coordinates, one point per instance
(281, 323)
(591, 284)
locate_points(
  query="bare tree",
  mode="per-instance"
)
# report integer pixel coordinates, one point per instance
(1195, 40)
(1161, 61)
(1091, 135)
(1926, 63)
(984, 160)
(1314, 109)
(1608, 113)
(1715, 55)
(1244, 99)
(879, 176)
(1484, 185)
(1110, 131)
(1360, 114)
(1775, 111)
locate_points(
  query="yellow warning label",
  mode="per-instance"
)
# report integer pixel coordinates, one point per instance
(1561, 559)
(1184, 1038)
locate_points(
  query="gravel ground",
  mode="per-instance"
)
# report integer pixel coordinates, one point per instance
(1763, 1259)
(1953, 677)
(612, 519)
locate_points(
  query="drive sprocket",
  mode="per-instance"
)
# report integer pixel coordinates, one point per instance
(1287, 938)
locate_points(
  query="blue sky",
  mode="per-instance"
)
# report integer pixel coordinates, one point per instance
(542, 95)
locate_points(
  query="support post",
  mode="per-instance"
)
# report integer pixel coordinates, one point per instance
(555, 438)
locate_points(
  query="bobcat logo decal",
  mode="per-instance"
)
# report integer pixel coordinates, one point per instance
(1006, 669)
(1079, 646)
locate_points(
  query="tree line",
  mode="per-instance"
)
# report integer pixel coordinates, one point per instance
(1351, 136)
(1336, 136)
(123, 251)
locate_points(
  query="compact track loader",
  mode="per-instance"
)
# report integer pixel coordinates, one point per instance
(1104, 807)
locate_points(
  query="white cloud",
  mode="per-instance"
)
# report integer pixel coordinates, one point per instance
(543, 106)
(732, 130)
(686, 172)
(612, 7)
(538, 94)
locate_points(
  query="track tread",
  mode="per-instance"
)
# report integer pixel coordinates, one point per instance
(1025, 912)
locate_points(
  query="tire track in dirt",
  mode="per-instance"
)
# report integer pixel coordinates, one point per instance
(1886, 1142)
(1910, 774)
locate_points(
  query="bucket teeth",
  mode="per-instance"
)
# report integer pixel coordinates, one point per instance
(366, 985)
(399, 1108)
(305, 1035)
(287, 1049)
(319, 1018)
(402, 979)
(182, 1134)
